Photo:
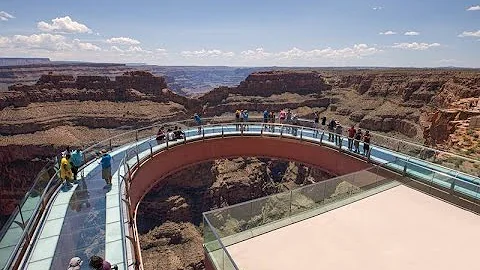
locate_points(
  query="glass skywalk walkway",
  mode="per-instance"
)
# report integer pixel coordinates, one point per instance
(52, 224)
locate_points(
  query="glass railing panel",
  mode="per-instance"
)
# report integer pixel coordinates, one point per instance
(467, 188)
(228, 263)
(308, 197)
(443, 180)
(336, 189)
(212, 244)
(270, 209)
(419, 172)
(234, 220)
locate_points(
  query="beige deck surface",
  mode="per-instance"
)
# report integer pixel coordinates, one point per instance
(397, 229)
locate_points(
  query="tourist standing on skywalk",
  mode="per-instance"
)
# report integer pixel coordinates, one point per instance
(198, 121)
(98, 263)
(237, 119)
(76, 160)
(331, 130)
(316, 120)
(366, 143)
(106, 162)
(358, 138)
(351, 135)
(265, 117)
(244, 118)
(66, 171)
(338, 134)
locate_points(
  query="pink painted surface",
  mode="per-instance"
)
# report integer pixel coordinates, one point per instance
(181, 156)
(397, 229)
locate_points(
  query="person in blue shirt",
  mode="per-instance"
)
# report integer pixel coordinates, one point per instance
(245, 118)
(76, 160)
(265, 116)
(106, 162)
(198, 120)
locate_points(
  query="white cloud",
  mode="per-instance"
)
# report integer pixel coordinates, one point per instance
(63, 25)
(4, 16)
(470, 34)
(412, 33)
(123, 41)
(45, 42)
(116, 49)
(377, 8)
(86, 46)
(357, 51)
(129, 50)
(257, 54)
(295, 54)
(415, 46)
(207, 54)
(474, 8)
(389, 32)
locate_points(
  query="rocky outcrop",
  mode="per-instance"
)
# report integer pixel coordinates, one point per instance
(131, 86)
(267, 83)
(415, 88)
(389, 124)
(443, 123)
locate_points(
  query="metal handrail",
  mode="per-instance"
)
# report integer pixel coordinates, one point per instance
(412, 143)
(262, 125)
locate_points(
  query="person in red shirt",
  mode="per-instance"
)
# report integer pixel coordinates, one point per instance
(351, 134)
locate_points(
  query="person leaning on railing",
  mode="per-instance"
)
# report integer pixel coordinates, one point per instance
(366, 143)
(66, 171)
(76, 160)
(198, 121)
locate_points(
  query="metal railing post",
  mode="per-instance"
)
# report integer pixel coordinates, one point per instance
(151, 149)
(136, 135)
(301, 134)
(321, 138)
(262, 127)
(222, 131)
(166, 141)
(203, 132)
(290, 210)
(21, 216)
(110, 144)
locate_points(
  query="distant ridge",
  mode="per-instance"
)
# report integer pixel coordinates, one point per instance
(18, 61)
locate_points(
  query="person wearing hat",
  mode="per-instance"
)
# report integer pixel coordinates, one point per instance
(75, 263)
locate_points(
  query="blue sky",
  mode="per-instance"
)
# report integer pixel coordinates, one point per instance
(419, 33)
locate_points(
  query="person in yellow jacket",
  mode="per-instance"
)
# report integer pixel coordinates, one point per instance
(66, 170)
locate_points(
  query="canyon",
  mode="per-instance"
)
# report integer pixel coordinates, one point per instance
(43, 113)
